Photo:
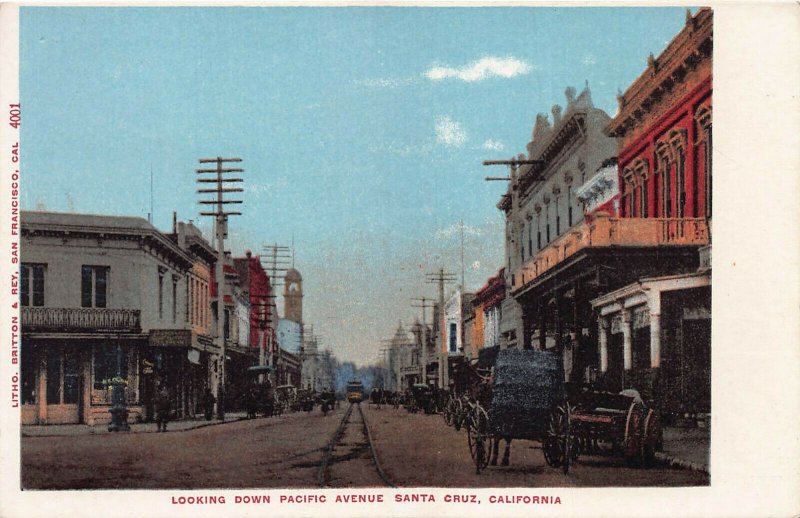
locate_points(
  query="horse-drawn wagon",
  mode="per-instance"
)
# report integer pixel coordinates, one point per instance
(529, 400)
(421, 397)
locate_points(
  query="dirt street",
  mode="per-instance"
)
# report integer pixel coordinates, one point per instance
(286, 452)
(420, 450)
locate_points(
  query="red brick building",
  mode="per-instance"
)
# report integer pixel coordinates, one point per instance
(664, 127)
(255, 283)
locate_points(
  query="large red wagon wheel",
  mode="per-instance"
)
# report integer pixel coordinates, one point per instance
(651, 438)
(632, 441)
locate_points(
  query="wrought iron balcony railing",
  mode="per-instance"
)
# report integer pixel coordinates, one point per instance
(81, 319)
(605, 231)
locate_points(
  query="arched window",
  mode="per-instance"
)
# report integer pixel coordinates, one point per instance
(640, 174)
(703, 118)
(665, 172)
(530, 240)
(538, 228)
(547, 218)
(627, 193)
(677, 141)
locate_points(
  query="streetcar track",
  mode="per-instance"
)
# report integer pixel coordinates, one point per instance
(356, 451)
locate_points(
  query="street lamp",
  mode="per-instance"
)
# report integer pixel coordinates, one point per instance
(119, 406)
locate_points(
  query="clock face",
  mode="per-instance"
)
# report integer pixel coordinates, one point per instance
(293, 287)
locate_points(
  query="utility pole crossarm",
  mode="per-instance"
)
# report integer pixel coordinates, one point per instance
(512, 162)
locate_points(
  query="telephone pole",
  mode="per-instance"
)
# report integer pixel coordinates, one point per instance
(425, 356)
(276, 260)
(441, 278)
(219, 202)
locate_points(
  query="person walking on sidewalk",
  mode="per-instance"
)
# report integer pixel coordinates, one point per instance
(208, 404)
(162, 407)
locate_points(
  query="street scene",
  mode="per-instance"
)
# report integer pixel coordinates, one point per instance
(414, 262)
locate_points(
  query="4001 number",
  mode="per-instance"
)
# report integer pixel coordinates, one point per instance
(14, 115)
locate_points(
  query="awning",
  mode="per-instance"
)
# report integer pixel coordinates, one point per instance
(259, 369)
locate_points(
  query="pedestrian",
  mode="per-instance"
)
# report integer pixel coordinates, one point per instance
(162, 407)
(251, 401)
(208, 404)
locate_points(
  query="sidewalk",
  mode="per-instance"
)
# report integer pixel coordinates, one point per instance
(56, 430)
(687, 448)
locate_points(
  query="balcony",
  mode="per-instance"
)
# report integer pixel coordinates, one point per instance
(605, 231)
(68, 320)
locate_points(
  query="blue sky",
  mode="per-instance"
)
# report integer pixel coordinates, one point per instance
(361, 130)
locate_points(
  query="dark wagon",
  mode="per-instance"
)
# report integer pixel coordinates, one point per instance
(422, 398)
(527, 401)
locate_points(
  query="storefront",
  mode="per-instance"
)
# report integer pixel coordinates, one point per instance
(655, 336)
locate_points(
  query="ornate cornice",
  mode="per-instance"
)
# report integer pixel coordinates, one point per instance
(684, 53)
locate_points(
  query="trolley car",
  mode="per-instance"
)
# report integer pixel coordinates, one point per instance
(355, 391)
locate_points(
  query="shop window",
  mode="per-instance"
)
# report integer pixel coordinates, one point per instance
(72, 378)
(63, 377)
(94, 286)
(54, 377)
(31, 291)
(28, 383)
(104, 365)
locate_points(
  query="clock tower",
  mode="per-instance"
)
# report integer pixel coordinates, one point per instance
(293, 296)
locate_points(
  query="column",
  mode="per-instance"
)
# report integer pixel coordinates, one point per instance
(602, 329)
(627, 339)
(86, 393)
(655, 340)
(41, 390)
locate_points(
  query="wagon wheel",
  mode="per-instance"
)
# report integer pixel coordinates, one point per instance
(458, 414)
(632, 441)
(651, 438)
(478, 437)
(448, 412)
(557, 443)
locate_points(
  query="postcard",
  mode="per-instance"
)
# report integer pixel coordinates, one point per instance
(399, 260)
